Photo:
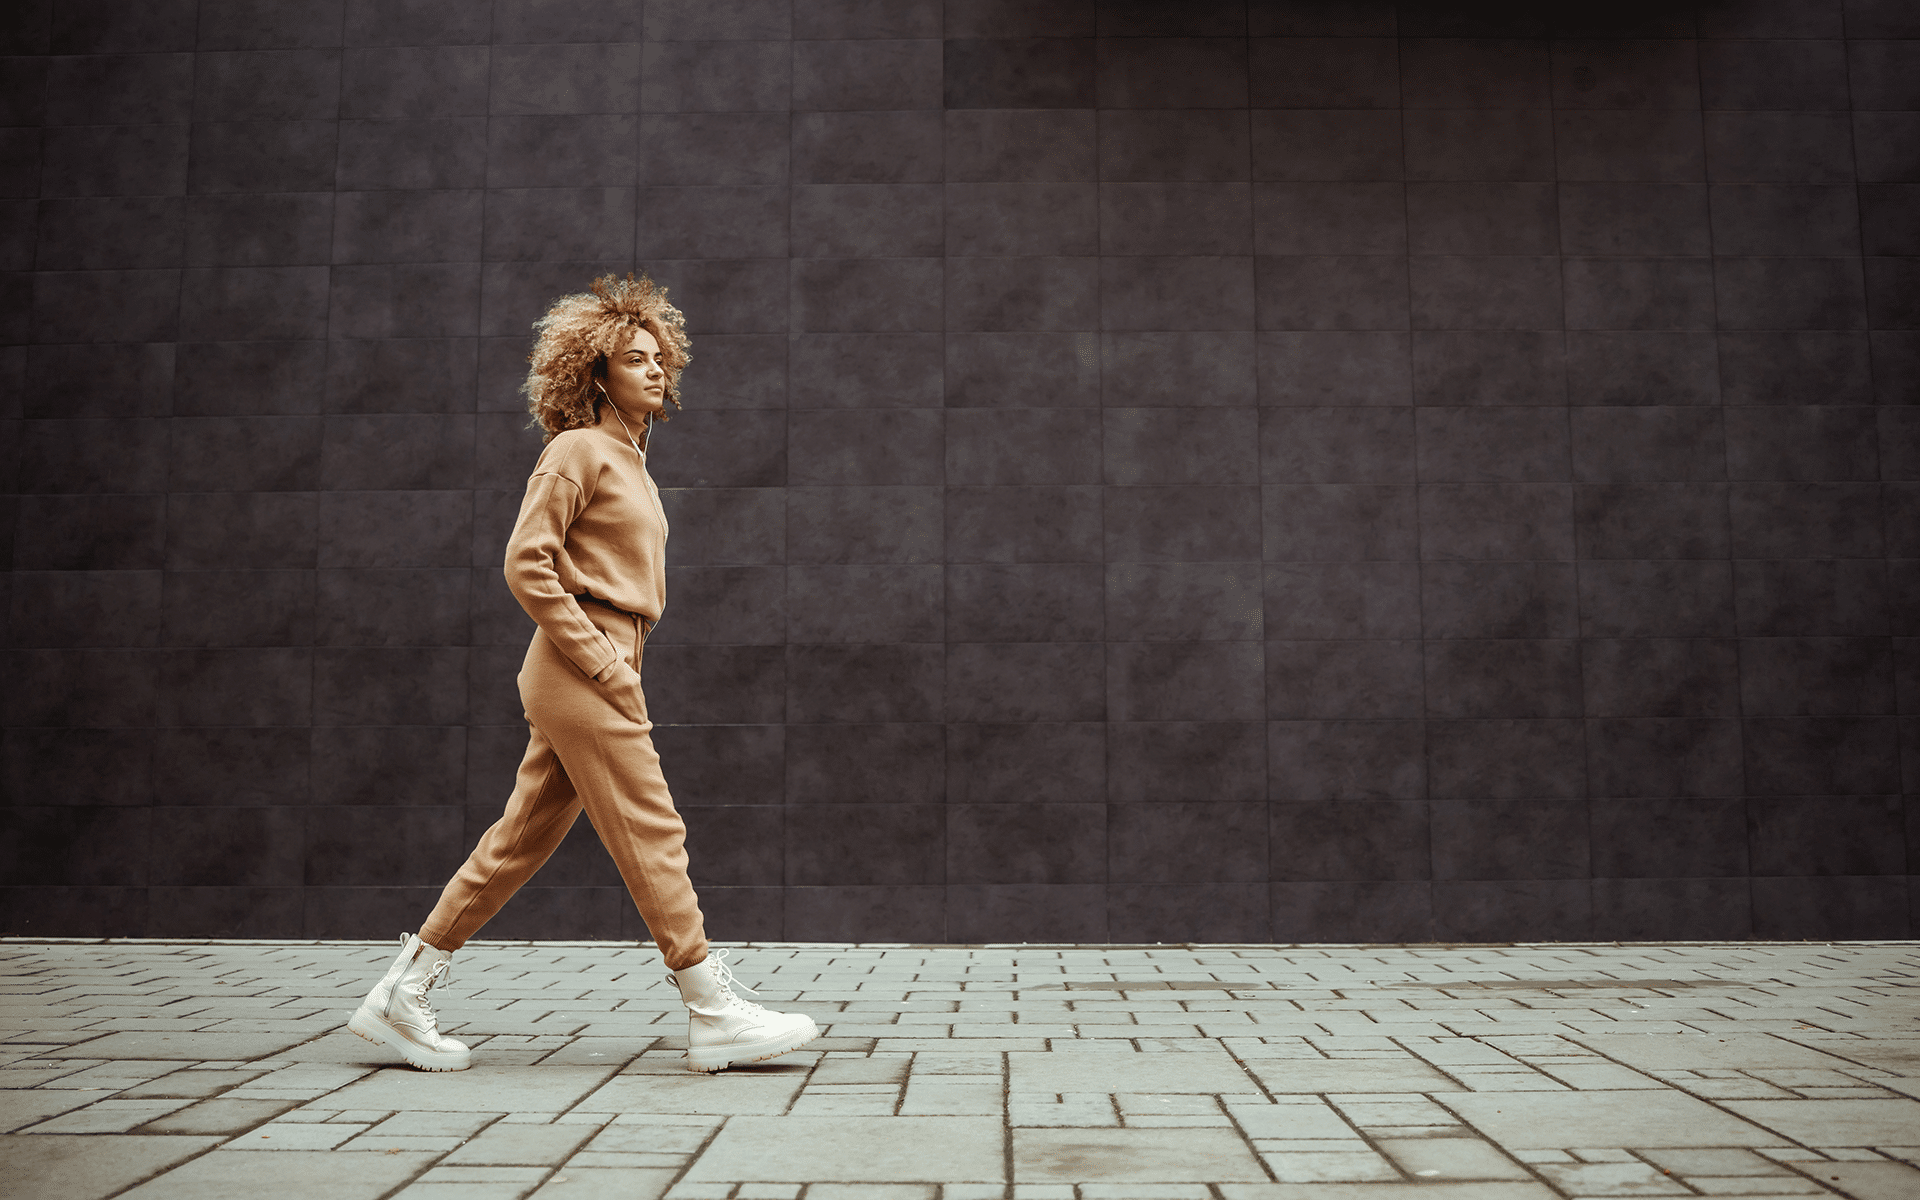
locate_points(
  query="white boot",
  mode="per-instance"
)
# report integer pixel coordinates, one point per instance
(396, 1012)
(724, 1029)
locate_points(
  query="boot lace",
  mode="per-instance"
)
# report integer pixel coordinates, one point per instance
(438, 975)
(723, 974)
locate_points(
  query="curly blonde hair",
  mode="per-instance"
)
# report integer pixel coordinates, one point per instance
(577, 334)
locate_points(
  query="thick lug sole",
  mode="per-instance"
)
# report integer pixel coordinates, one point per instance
(708, 1059)
(375, 1029)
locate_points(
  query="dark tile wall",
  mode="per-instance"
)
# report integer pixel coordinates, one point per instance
(1241, 470)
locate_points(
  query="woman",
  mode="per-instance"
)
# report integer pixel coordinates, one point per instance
(587, 560)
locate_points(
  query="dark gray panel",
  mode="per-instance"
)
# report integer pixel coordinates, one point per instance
(1827, 835)
(1805, 756)
(92, 767)
(1026, 843)
(1510, 840)
(1193, 523)
(1656, 599)
(1185, 681)
(716, 764)
(1813, 907)
(1478, 143)
(988, 447)
(1362, 292)
(1183, 602)
(1505, 759)
(1343, 600)
(866, 295)
(863, 221)
(84, 608)
(1669, 839)
(1022, 294)
(1171, 842)
(907, 913)
(1344, 679)
(1024, 681)
(566, 21)
(899, 682)
(1207, 912)
(1646, 147)
(715, 76)
(447, 153)
(892, 603)
(1349, 841)
(1664, 757)
(864, 844)
(1051, 524)
(863, 370)
(1361, 911)
(1660, 677)
(1020, 145)
(1177, 293)
(865, 147)
(1026, 763)
(886, 447)
(1806, 520)
(394, 766)
(1495, 521)
(989, 219)
(1018, 72)
(1812, 597)
(1448, 73)
(868, 19)
(239, 608)
(1054, 602)
(872, 75)
(109, 160)
(1018, 370)
(900, 764)
(416, 82)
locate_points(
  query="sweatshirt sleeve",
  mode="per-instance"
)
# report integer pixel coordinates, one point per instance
(534, 553)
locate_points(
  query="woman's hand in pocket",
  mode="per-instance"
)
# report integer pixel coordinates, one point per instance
(622, 685)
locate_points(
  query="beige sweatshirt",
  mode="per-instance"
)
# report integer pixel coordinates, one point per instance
(591, 523)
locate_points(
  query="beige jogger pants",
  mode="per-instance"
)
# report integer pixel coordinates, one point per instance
(587, 749)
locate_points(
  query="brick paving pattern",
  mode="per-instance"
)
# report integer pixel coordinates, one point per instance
(211, 1069)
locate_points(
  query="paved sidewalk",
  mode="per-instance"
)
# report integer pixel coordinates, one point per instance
(204, 1070)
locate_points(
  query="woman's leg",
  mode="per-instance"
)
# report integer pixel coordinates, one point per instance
(615, 771)
(541, 810)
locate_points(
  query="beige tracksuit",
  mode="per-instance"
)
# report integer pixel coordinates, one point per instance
(591, 525)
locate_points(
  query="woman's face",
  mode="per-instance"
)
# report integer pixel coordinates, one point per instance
(636, 376)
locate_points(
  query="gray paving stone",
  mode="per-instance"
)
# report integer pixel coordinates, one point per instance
(480, 1088)
(762, 1090)
(86, 1167)
(1450, 1158)
(219, 1116)
(183, 1045)
(1870, 1180)
(234, 1175)
(522, 1145)
(1210, 1071)
(1691, 1050)
(1557, 1120)
(1130, 1155)
(1612, 1179)
(19, 1109)
(607, 1183)
(854, 1150)
(1835, 1122)
(190, 1084)
(1386, 1191)
(109, 1116)
(1408, 1074)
